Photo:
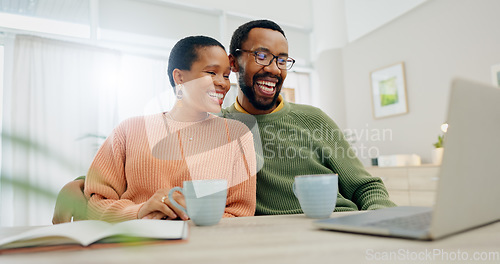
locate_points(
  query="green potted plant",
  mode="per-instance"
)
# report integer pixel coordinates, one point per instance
(439, 143)
(437, 152)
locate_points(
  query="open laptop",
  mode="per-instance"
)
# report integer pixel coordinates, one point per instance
(468, 191)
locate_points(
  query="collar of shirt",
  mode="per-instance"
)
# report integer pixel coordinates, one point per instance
(281, 104)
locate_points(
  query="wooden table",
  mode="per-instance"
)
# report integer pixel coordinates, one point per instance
(282, 239)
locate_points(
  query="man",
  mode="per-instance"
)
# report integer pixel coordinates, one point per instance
(296, 139)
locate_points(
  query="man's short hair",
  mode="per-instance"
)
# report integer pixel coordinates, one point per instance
(185, 53)
(240, 35)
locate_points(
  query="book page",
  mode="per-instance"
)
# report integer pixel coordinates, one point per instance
(90, 231)
(145, 228)
(80, 232)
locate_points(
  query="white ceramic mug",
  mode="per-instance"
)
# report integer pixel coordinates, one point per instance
(317, 194)
(205, 200)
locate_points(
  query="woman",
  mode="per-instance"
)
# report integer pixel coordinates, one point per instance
(145, 157)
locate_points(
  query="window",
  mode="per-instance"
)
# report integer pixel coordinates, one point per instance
(1, 95)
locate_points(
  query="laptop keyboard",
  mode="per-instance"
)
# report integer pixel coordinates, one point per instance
(419, 221)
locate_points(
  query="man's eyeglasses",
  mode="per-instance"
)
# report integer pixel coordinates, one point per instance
(265, 58)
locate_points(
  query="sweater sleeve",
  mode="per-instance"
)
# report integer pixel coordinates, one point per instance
(355, 183)
(241, 197)
(105, 182)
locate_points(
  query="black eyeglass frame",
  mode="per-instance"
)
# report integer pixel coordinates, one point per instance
(275, 58)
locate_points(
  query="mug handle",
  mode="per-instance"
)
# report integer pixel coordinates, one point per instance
(174, 203)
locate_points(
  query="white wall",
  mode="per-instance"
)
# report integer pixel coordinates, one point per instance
(329, 36)
(327, 82)
(160, 25)
(437, 41)
(364, 16)
(155, 19)
(289, 12)
(335, 24)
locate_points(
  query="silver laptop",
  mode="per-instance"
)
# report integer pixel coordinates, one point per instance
(468, 191)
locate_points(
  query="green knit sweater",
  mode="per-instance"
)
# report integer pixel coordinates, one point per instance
(299, 140)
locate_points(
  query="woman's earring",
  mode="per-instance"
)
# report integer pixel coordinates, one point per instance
(179, 93)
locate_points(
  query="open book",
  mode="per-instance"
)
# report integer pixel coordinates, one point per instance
(87, 232)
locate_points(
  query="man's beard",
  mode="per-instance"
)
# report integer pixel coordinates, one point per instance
(249, 91)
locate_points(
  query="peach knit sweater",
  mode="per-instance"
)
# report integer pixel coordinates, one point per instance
(144, 154)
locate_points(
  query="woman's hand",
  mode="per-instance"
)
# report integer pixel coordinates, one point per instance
(71, 202)
(154, 208)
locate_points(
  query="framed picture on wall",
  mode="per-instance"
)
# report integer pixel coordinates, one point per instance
(389, 91)
(495, 75)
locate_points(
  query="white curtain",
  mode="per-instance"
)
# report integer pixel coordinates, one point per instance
(61, 99)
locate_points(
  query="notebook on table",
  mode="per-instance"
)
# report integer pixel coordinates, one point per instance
(91, 234)
(469, 177)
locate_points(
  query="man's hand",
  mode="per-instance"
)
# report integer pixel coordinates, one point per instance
(71, 202)
(154, 208)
